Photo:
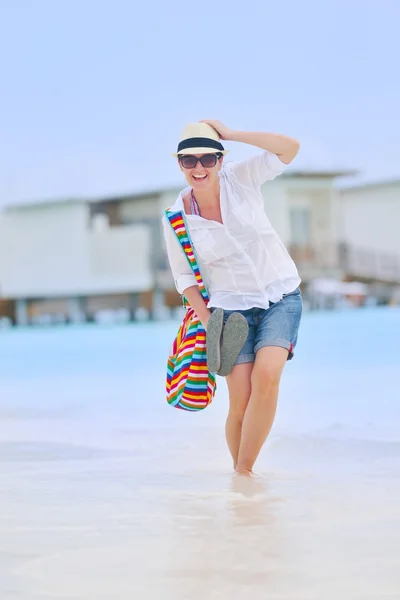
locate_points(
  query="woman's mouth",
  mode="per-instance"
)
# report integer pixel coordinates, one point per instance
(199, 177)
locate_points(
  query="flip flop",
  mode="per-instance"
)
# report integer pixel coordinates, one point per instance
(234, 335)
(213, 340)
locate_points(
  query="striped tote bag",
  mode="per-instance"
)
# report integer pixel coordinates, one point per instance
(189, 384)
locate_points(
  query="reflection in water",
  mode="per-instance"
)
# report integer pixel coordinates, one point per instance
(280, 538)
(106, 528)
(230, 542)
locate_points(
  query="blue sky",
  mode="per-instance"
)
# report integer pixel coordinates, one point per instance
(95, 94)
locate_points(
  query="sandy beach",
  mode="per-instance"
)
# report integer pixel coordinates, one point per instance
(106, 493)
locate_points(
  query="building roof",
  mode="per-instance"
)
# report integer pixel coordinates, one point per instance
(371, 184)
(20, 204)
(91, 200)
(319, 173)
(148, 193)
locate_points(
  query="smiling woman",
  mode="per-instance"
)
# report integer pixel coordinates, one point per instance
(253, 313)
(200, 155)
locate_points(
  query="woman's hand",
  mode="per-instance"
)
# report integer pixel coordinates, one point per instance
(224, 132)
(204, 320)
(283, 146)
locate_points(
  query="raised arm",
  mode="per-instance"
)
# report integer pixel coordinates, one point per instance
(284, 147)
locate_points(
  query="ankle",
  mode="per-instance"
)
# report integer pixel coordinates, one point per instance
(243, 471)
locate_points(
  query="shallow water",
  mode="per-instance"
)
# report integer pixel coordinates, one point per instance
(107, 492)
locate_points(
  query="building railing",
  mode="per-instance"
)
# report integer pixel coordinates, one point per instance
(348, 260)
(321, 256)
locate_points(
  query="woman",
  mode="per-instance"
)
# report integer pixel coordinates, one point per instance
(246, 269)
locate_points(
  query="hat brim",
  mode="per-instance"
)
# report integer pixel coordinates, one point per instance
(200, 151)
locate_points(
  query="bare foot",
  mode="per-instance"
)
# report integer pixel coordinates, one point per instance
(244, 472)
(247, 484)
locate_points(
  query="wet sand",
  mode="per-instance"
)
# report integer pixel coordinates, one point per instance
(139, 520)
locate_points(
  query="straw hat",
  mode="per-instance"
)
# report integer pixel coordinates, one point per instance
(199, 138)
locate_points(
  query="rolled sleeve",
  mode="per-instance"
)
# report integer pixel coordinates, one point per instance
(257, 169)
(184, 281)
(180, 268)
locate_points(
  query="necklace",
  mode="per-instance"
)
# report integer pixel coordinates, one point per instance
(194, 207)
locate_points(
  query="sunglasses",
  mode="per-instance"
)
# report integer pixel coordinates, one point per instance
(207, 160)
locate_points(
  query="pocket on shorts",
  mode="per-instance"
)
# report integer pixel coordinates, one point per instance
(293, 302)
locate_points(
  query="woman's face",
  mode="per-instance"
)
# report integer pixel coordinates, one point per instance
(200, 177)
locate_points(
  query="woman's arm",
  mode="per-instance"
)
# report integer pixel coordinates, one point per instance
(181, 271)
(184, 278)
(196, 301)
(284, 147)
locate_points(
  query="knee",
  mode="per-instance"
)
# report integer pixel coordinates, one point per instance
(264, 380)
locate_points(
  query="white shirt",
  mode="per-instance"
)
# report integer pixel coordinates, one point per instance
(243, 262)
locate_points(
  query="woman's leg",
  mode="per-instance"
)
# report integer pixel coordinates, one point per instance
(261, 408)
(275, 339)
(239, 386)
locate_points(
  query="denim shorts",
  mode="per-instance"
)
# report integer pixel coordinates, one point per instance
(278, 325)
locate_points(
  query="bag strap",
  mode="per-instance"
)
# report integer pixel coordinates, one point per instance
(178, 224)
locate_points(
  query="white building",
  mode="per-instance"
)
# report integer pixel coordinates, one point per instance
(76, 257)
(369, 221)
(63, 258)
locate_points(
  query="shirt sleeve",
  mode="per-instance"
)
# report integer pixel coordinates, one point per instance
(257, 169)
(181, 270)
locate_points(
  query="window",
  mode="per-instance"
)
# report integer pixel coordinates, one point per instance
(300, 227)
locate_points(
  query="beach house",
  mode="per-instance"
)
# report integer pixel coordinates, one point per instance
(73, 259)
